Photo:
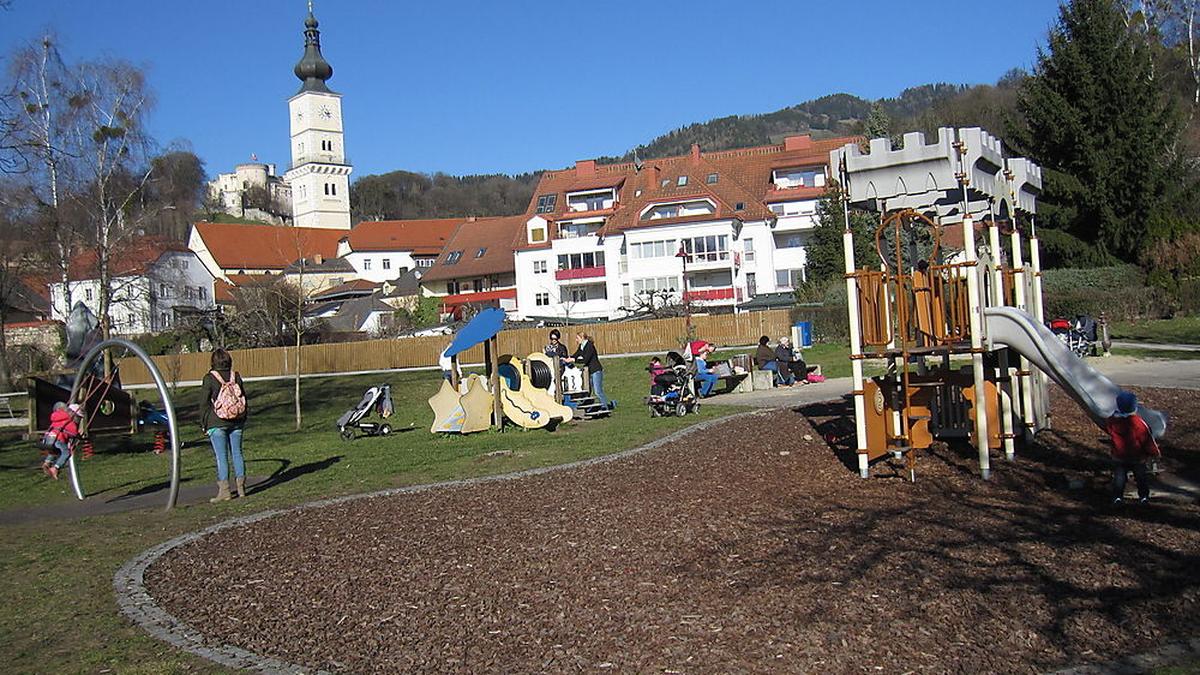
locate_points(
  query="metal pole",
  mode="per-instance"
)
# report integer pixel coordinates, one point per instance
(1035, 263)
(163, 392)
(1020, 300)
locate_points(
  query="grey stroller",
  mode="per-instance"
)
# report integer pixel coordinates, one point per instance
(378, 399)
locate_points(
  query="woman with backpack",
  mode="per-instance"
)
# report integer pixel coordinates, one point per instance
(222, 417)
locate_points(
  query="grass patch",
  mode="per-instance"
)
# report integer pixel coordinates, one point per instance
(1180, 330)
(1161, 354)
(61, 615)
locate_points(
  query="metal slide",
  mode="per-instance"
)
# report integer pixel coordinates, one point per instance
(1095, 393)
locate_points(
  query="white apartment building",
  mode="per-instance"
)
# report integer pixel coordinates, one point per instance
(602, 241)
(153, 281)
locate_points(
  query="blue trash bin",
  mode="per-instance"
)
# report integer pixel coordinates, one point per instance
(804, 334)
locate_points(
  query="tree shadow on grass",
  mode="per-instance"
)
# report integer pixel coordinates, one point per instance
(286, 472)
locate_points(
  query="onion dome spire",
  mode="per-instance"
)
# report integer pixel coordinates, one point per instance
(313, 69)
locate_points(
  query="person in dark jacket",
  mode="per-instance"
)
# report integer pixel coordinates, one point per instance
(765, 359)
(788, 359)
(224, 434)
(586, 357)
(1133, 444)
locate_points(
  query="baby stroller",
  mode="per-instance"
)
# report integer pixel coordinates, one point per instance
(378, 399)
(675, 390)
(1078, 335)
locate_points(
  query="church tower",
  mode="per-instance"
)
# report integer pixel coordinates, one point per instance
(319, 174)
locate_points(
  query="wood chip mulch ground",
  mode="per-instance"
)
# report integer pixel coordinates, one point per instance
(748, 548)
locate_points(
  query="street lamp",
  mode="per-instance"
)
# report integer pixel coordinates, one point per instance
(687, 302)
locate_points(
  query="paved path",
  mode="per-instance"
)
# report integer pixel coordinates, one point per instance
(1125, 370)
(152, 497)
(1152, 346)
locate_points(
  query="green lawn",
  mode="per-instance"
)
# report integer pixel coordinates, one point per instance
(1180, 330)
(60, 613)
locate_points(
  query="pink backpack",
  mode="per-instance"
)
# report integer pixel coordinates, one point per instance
(230, 403)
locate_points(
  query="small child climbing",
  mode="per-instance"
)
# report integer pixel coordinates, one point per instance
(63, 429)
(1133, 444)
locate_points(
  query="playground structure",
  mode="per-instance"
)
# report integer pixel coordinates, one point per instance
(935, 298)
(511, 389)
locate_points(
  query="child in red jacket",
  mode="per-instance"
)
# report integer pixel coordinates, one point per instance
(63, 429)
(1133, 444)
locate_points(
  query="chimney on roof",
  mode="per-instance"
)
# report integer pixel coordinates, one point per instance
(318, 258)
(585, 167)
(652, 175)
(797, 142)
(695, 153)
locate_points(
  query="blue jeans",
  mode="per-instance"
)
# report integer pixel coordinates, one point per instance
(231, 440)
(1121, 475)
(781, 377)
(64, 453)
(598, 387)
(707, 382)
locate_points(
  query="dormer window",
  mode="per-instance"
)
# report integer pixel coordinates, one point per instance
(800, 176)
(454, 257)
(593, 200)
(679, 210)
(681, 181)
(480, 252)
(711, 179)
(665, 182)
(545, 203)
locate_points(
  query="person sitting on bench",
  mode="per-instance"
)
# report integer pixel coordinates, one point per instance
(765, 359)
(704, 374)
(788, 359)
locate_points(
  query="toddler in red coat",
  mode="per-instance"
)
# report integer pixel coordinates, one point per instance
(63, 429)
(1133, 444)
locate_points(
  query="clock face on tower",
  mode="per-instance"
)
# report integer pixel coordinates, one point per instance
(326, 112)
(299, 115)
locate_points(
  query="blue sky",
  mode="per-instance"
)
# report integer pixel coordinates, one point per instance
(484, 87)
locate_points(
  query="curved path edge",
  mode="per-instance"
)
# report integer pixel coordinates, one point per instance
(136, 603)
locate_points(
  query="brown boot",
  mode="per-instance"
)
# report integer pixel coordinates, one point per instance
(222, 492)
(241, 486)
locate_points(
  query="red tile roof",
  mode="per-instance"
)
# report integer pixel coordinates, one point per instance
(265, 247)
(423, 237)
(362, 285)
(128, 259)
(495, 235)
(743, 178)
(222, 292)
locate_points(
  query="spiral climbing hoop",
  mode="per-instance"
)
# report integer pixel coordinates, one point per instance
(85, 367)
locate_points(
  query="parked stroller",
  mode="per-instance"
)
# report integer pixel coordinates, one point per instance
(1079, 335)
(674, 390)
(378, 399)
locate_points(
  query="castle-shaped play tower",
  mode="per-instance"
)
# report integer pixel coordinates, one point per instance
(949, 304)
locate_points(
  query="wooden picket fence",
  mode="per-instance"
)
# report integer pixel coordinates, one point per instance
(610, 338)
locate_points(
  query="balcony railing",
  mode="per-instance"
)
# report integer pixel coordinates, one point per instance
(709, 294)
(579, 273)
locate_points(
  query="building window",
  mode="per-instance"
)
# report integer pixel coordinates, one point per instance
(788, 279)
(545, 203)
(537, 234)
(591, 201)
(740, 206)
(813, 176)
(681, 181)
(203, 292)
(454, 257)
(713, 248)
(539, 266)
(653, 284)
(576, 261)
(480, 252)
(387, 263)
(665, 182)
(748, 248)
(425, 262)
(653, 249)
(541, 299)
(789, 240)
(696, 208)
(87, 294)
(711, 179)
(366, 264)
(584, 293)
(189, 293)
(575, 230)
(164, 291)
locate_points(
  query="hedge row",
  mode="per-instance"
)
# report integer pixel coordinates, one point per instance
(1099, 278)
